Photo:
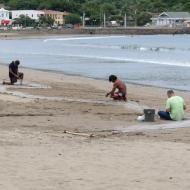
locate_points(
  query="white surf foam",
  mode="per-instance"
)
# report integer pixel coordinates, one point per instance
(121, 59)
(83, 38)
(148, 61)
(132, 47)
(99, 46)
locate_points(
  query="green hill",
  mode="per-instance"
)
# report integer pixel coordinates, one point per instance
(140, 10)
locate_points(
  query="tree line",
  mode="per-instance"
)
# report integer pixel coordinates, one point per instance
(139, 11)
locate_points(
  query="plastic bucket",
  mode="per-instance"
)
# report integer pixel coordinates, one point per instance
(149, 114)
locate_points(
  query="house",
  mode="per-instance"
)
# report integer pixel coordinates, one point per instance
(4, 17)
(57, 16)
(170, 19)
(33, 14)
(187, 23)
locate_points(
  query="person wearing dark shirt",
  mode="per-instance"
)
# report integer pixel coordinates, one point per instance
(14, 75)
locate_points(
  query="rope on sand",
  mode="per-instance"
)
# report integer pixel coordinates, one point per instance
(150, 126)
(131, 105)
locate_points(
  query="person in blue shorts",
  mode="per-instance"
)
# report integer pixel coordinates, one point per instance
(175, 107)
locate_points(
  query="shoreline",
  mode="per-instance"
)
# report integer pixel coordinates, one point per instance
(104, 79)
(98, 79)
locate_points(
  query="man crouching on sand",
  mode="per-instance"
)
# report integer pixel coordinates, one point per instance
(175, 107)
(118, 85)
(14, 75)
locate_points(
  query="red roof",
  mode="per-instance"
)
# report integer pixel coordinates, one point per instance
(5, 22)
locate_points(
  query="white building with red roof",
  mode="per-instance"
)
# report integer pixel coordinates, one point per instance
(4, 17)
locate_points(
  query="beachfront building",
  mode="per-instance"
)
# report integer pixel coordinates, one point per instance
(33, 14)
(57, 16)
(4, 17)
(170, 19)
(187, 23)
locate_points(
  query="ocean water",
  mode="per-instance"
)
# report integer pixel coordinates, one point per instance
(158, 60)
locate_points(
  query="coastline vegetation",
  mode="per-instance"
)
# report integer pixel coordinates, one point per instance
(137, 11)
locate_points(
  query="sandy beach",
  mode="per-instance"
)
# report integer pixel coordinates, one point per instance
(36, 153)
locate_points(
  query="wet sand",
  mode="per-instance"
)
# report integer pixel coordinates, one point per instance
(35, 153)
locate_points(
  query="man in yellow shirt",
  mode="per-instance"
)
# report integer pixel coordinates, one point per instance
(175, 107)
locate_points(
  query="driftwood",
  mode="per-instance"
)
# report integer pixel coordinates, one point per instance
(80, 134)
(23, 115)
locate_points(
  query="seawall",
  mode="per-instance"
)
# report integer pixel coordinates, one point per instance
(136, 31)
(93, 31)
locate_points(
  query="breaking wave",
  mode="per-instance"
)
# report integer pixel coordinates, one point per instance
(111, 59)
(82, 38)
(130, 47)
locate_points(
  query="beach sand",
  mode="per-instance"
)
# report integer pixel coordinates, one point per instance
(35, 153)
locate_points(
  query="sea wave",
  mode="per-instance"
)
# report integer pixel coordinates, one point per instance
(133, 60)
(153, 49)
(133, 47)
(116, 59)
(129, 47)
(93, 46)
(82, 38)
